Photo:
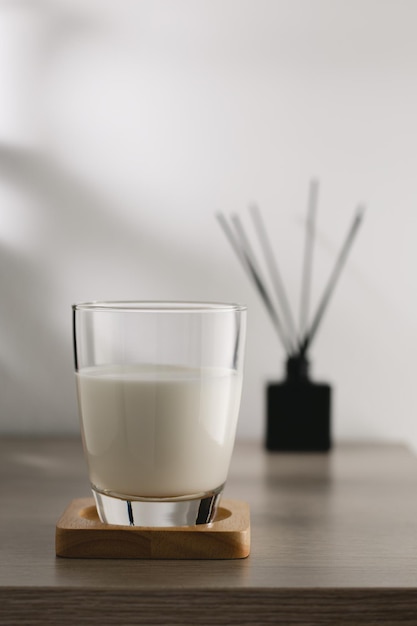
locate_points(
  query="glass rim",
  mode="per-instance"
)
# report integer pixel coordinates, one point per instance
(159, 306)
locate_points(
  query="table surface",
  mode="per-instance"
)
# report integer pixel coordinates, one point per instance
(334, 540)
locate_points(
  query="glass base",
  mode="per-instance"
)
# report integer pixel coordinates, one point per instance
(157, 512)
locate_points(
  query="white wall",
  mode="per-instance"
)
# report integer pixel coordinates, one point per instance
(124, 127)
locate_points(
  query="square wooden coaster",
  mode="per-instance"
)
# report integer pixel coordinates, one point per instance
(81, 534)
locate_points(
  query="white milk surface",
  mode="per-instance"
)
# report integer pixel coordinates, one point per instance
(158, 431)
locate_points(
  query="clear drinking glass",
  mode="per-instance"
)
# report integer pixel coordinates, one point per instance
(159, 386)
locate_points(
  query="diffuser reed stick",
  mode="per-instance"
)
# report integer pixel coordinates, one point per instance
(308, 257)
(309, 336)
(295, 349)
(275, 275)
(245, 255)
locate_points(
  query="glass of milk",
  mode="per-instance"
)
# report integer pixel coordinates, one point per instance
(159, 386)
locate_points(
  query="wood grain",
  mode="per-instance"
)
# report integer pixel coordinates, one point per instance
(80, 534)
(210, 607)
(333, 541)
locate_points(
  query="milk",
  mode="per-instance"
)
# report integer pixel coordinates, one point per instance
(158, 431)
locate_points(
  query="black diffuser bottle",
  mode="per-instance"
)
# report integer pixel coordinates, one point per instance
(298, 416)
(298, 411)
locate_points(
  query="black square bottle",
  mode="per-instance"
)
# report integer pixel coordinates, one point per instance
(298, 411)
(298, 416)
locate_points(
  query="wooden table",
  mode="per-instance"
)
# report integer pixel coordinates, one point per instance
(334, 541)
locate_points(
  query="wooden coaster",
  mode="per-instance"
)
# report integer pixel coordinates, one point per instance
(81, 534)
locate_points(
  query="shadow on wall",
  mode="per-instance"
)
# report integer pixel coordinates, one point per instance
(71, 225)
(77, 248)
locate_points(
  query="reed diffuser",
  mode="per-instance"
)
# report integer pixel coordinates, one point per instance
(298, 409)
